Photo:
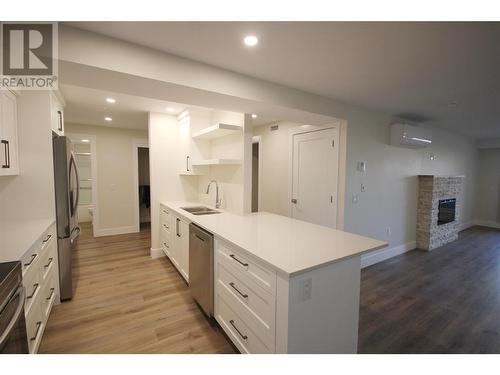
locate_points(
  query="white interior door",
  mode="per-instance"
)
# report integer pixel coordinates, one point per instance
(315, 176)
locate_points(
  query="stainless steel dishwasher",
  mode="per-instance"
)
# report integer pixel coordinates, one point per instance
(201, 268)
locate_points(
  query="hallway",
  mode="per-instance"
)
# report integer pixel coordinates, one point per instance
(126, 302)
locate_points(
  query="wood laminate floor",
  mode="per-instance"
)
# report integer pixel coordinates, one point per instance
(126, 302)
(444, 301)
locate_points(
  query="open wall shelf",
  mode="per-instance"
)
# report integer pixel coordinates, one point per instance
(216, 131)
(217, 162)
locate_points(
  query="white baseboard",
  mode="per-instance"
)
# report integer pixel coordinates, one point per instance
(489, 224)
(156, 253)
(381, 255)
(114, 231)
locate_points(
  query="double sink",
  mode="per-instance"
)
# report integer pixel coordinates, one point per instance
(200, 210)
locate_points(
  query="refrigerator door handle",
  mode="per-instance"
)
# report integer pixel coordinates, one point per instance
(74, 204)
(74, 234)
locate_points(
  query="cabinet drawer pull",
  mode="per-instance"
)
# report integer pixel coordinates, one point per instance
(244, 337)
(239, 261)
(49, 236)
(51, 294)
(168, 247)
(35, 287)
(33, 257)
(177, 221)
(165, 211)
(38, 325)
(59, 121)
(166, 227)
(50, 262)
(241, 294)
(6, 153)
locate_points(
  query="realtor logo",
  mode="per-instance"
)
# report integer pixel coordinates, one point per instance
(29, 56)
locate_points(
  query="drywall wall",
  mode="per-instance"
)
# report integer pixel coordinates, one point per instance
(387, 208)
(166, 159)
(230, 177)
(30, 195)
(114, 213)
(274, 157)
(488, 193)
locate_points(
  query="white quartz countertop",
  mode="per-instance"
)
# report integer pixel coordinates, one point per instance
(287, 244)
(17, 237)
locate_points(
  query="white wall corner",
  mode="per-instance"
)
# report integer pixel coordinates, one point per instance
(467, 225)
(486, 223)
(381, 255)
(156, 253)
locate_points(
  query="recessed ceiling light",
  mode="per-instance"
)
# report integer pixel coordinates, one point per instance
(109, 119)
(111, 100)
(85, 140)
(170, 109)
(254, 115)
(251, 40)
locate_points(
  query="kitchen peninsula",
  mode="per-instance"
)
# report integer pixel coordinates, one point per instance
(281, 285)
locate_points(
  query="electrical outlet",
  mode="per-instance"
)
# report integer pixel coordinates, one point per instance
(355, 198)
(306, 289)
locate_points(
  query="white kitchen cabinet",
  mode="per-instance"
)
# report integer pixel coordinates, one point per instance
(181, 245)
(189, 149)
(57, 113)
(9, 154)
(41, 282)
(174, 236)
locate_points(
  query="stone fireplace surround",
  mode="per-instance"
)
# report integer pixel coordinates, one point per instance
(432, 189)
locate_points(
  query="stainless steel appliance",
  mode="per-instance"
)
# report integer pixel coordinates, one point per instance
(201, 268)
(13, 337)
(67, 190)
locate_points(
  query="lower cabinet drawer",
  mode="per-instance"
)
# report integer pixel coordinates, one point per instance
(238, 331)
(49, 260)
(35, 324)
(48, 296)
(165, 242)
(32, 285)
(245, 265)
(255, 302)
(165, 218)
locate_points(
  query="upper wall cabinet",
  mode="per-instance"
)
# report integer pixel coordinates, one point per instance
(57, 113)
(9, 154)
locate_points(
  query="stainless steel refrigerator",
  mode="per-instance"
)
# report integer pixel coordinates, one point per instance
(67, 191)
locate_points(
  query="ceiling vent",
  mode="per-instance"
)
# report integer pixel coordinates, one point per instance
(404, 135)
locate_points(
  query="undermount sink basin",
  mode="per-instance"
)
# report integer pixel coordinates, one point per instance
(200, 210)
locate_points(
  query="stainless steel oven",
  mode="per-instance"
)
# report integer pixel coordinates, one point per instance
(13, 336)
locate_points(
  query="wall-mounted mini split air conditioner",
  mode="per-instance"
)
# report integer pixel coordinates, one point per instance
(404, 135)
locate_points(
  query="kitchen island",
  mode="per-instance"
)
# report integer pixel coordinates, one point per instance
(281, 285)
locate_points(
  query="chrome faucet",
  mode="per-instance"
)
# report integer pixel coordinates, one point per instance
(217, 200)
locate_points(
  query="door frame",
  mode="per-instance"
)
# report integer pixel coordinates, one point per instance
(93, 165)
(342, 126)
(258, 139)
(136, 144)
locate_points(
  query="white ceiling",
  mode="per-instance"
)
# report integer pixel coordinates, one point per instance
(413, 70)
(89, 106)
